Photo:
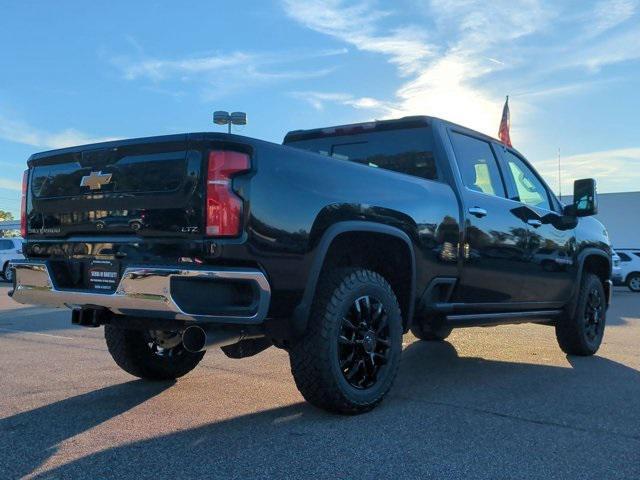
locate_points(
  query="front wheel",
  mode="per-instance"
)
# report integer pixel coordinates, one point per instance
(153, 355)
(582, 332)
(349, 355)
(633, 282)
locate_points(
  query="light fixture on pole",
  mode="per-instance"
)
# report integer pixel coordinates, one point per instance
(221, 117)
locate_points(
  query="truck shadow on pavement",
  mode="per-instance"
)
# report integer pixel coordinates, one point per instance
(447, 417)
(34, 319)
(28, 439)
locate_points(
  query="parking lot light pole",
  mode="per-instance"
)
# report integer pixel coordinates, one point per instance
(221, 117)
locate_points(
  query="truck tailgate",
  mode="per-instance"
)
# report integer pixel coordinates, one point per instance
(148, 187)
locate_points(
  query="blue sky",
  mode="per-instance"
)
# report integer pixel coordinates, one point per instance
(76, 72)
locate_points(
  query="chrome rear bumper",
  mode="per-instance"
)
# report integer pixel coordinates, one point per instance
(142, 291)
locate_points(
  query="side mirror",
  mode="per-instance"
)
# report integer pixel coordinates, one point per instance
(585, 198)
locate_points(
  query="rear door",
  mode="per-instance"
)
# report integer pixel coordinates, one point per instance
(495, 261)
(148, 187)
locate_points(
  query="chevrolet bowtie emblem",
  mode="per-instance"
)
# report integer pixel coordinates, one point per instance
(95, 180)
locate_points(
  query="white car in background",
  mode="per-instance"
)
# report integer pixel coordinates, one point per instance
(10, 249)
(616, 271)
(629, 268)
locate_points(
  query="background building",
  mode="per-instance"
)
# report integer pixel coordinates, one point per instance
(620, 213)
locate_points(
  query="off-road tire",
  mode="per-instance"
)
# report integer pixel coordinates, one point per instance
(315, 363)
(571, 329)
(423, 331)
(131, 351)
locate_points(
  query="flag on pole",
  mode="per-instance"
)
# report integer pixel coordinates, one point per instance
(505, 124)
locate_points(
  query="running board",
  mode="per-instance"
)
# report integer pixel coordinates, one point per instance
(490, 319)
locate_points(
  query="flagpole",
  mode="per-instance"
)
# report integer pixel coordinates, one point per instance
(559, 176)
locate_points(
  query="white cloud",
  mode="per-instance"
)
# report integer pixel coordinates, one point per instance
(612, 49)
(256, 74)
(356, 24)
(318, 100)
(157, 69)
(565, 89)
(11, 184)
(215, 75)
(615, 169)
(444, 75)
(609, 14)
(465, 77)
(20, 132)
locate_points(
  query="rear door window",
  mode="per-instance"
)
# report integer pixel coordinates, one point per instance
(478, 165)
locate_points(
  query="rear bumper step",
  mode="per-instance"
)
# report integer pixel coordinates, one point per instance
(157, 292)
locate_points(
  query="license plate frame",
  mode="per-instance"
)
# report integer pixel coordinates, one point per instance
(103, 275)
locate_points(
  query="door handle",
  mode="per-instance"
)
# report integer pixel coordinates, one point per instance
(478, 212)
(534, 222)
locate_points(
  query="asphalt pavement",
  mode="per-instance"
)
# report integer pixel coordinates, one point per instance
(492, 403)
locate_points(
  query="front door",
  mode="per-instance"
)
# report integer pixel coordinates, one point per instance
(551, 241)
(496, 246)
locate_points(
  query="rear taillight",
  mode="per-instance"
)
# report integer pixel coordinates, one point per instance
(23, 205)
(224, 207)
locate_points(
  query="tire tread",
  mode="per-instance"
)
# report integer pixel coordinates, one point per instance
(569, 332)
(310, 364)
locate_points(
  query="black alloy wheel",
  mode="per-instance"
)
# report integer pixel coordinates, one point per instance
(593, 315)
(580, 329)
(364, 342)
(348, 357)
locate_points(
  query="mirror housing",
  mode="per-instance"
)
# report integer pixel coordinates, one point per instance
(585, 198)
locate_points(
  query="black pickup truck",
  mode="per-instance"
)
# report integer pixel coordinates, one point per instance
(331, 246)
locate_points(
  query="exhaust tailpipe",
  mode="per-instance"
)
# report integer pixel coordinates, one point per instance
(196, 338)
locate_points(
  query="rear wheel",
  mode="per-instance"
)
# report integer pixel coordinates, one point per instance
(349, 356)
(153, 354)
(633, 282)
(581, 333)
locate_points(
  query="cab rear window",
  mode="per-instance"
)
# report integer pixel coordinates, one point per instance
(408, 151)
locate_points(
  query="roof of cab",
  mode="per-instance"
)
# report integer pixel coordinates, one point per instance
(354, 128)
(377, 125)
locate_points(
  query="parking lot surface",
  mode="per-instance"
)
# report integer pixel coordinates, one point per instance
(491, 403)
